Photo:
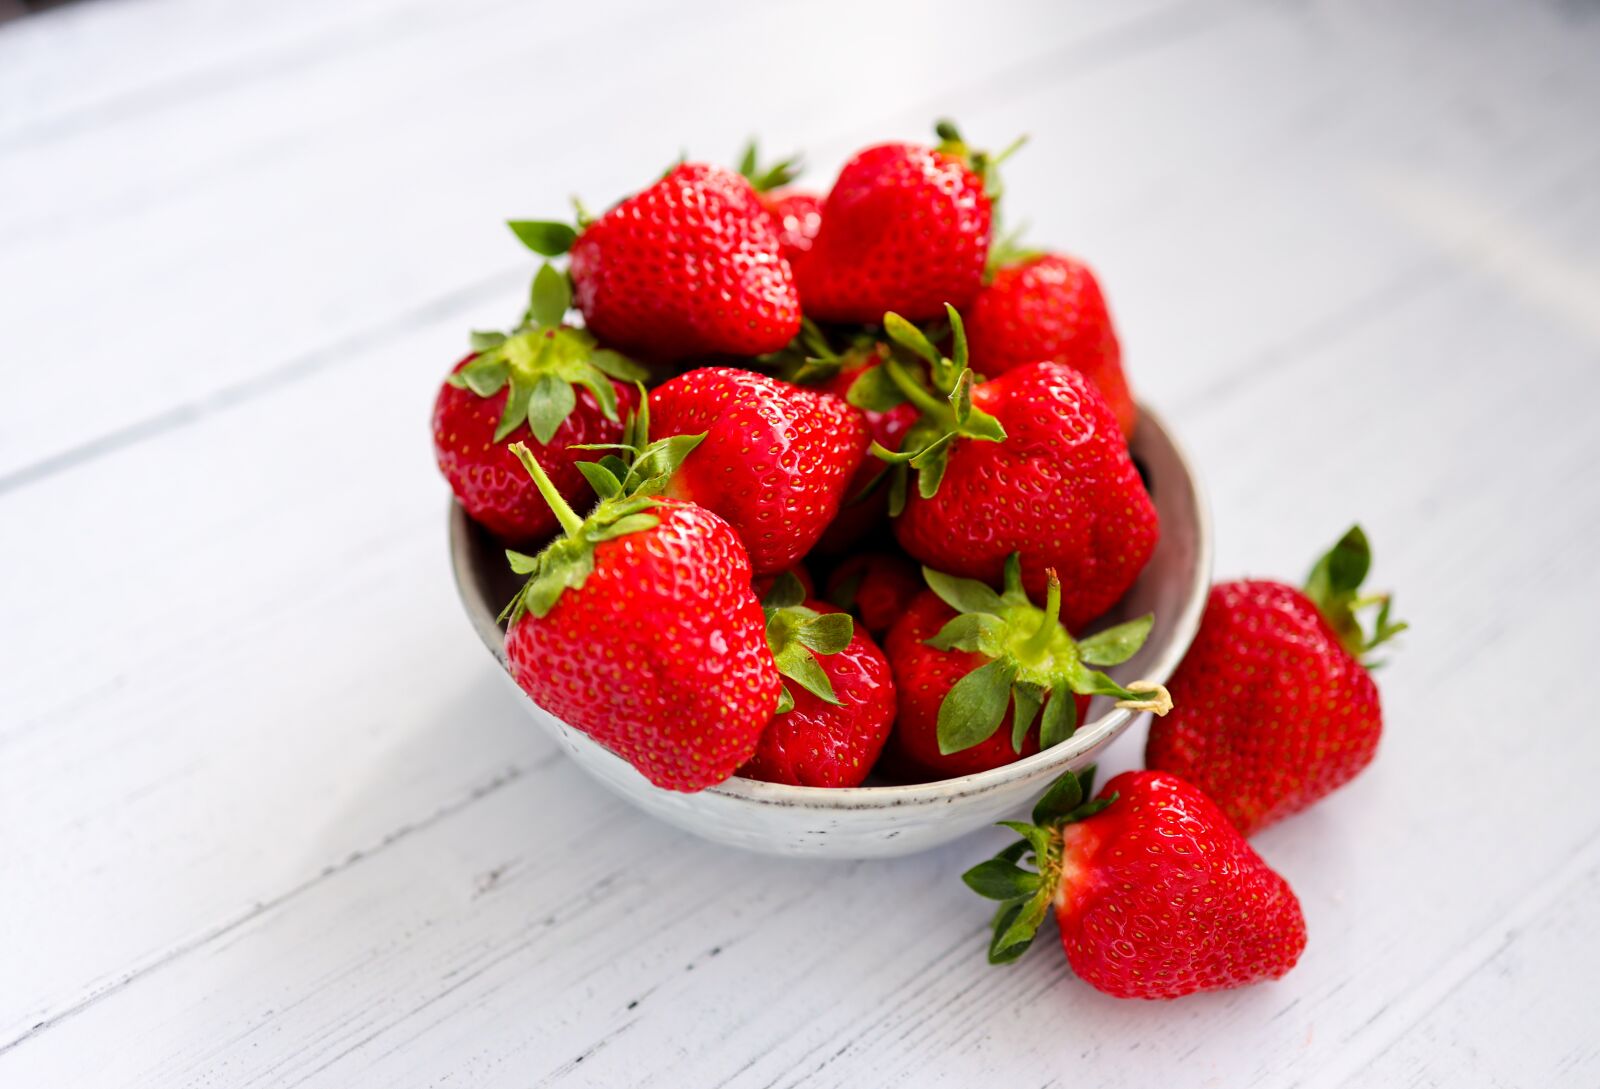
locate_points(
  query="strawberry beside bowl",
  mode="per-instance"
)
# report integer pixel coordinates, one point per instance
(879, 821)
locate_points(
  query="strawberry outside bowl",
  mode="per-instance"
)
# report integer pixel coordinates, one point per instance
(876, 821)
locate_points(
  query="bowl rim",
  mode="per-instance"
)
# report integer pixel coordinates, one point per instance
(1088, 737)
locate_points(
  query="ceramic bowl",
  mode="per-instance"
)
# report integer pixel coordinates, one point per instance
(879, 821)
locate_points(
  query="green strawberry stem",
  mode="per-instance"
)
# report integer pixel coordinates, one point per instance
(1039, 643)
(932, 407)
(571, 523)
(625, 507)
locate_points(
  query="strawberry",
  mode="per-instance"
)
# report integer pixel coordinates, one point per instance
(877, 586)
(1276, 706)
(973, 668)
(1047, 307)
(638, 626)
(547, 384)
(796, 215)
(1031, 461)
(775, 461)
(1155, 894)
(690, 266)
(829, 730)
(904, 228)
(799, 218)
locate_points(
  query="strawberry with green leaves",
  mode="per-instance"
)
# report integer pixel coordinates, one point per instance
(987, 677)
(690, 266)
(638, 626)
(1155, 894)
(835, 713)
(1048, 307)
(547, 384)
(796, 214)
(776, 460)
(1277, 707)
(904, 228)
(1031, 462)
(812, 361)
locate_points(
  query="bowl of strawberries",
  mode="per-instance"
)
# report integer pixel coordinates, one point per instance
(829, 525)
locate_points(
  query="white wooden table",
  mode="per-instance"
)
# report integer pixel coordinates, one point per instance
(268, 819)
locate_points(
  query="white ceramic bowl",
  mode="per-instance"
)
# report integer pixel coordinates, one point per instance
(879, 821)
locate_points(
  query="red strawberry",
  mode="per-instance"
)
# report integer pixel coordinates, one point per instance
(796, 215)
(688, 267)
(775, 461)
(638, 627)
(877, 586)
(1155, 894)
(547, 385)
(905, 228)
(1032, 461)
(1049, 308)
(838, 715)
(1276, 708)
(799, 218)
(973, 667)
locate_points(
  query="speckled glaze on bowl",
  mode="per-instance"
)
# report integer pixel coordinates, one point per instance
(880, 821)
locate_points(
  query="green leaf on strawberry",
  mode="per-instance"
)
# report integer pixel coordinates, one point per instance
(543, 363)
(940, 387)
(1034, 663)
(1334, 586)
(627, 488)
(548, 238)
(764, 179)
(797, 634)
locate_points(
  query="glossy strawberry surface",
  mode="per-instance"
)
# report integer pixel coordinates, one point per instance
(923, 676)
(1060, 489)
(1271, 711)
(661, 654)
(690, 266)
(798, 216)
(1160, 896)
(776, 459)
(905, 228)
(1050, 309)
(878, 586)
(820, 744)
(487, 479)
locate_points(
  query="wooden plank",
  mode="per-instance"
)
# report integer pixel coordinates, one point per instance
(1504, 1022)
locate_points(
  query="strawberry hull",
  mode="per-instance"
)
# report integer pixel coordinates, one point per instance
(819, 744)
(1061, 490)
